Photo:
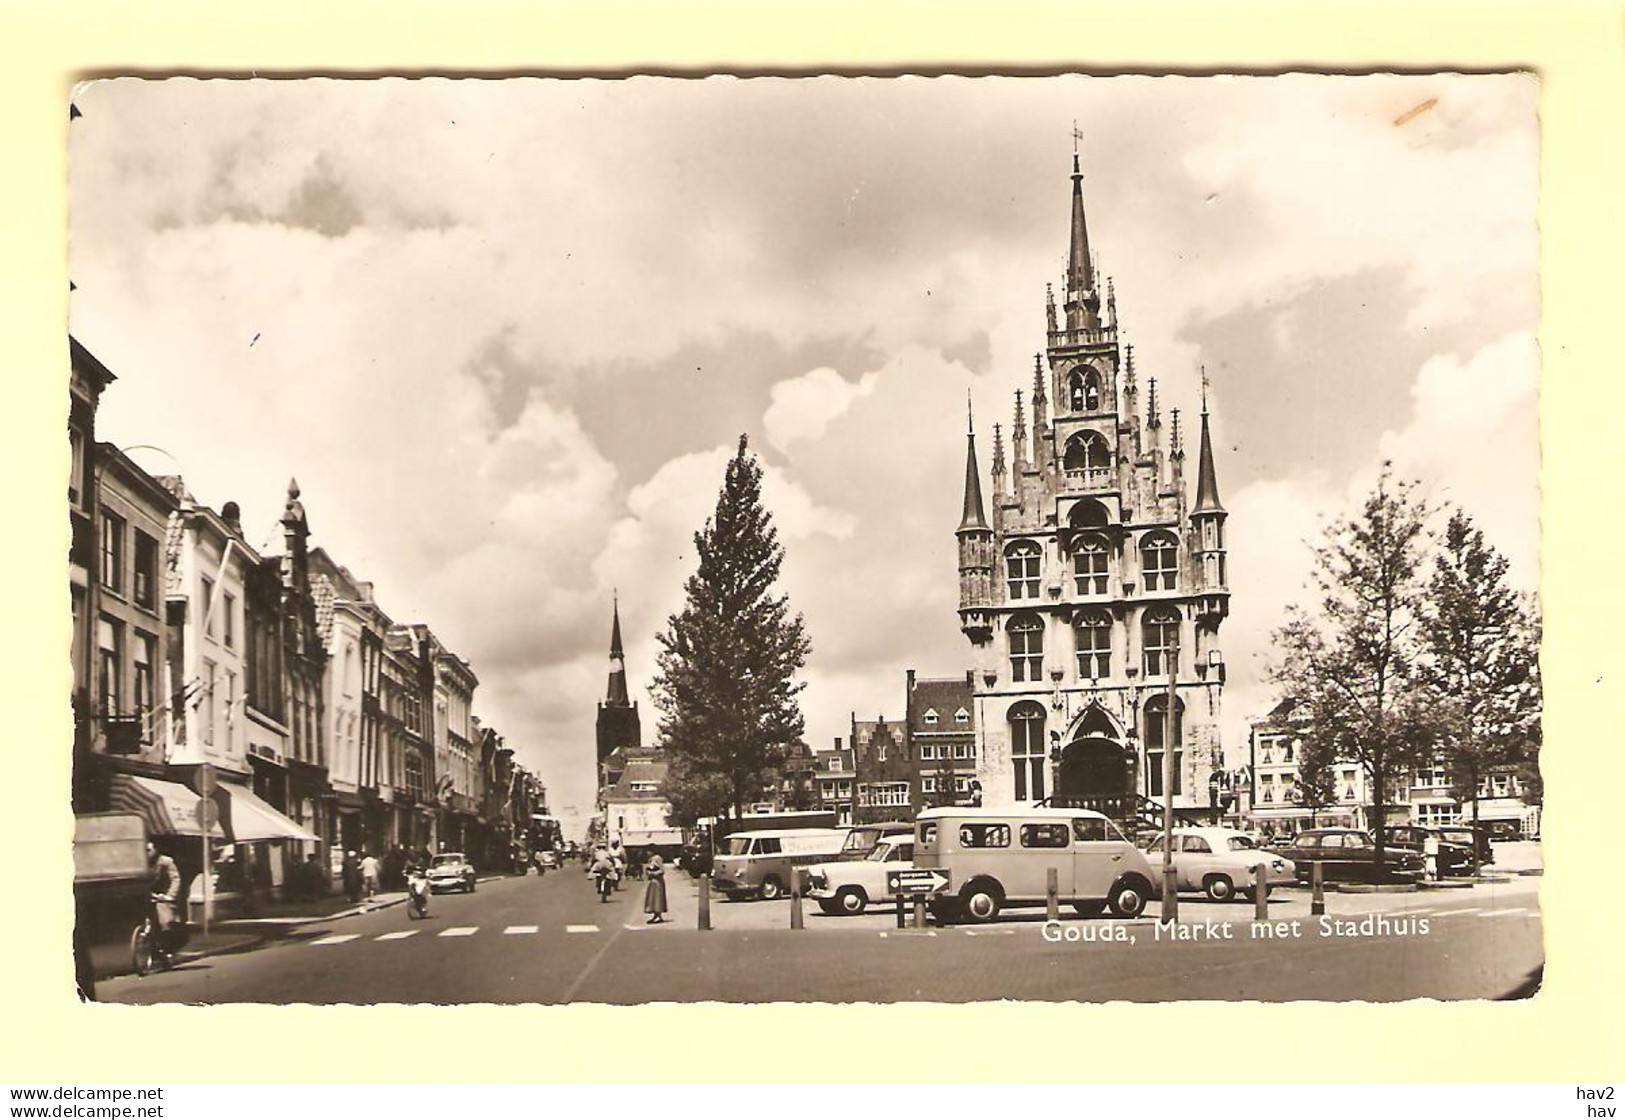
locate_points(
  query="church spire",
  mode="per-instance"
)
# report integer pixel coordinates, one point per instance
(617, 662)
(1207, 482)
(973, 517)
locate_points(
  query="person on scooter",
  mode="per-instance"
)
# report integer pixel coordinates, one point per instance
(603, 870)
(417, 885)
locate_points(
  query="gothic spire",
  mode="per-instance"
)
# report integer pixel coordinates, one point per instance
(973, 517)
(1153, 418)
(1207, 482)
(617, 661)
(1080, 264)
(1018, 436)
(998, 450)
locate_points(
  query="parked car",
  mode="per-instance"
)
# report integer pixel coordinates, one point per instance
(451, 871)
(998, 858)
(1220, 862)
(1477, 837)
(759, 863)
(1348, 855)
(1455, 856)
(847, 886)
(863, 838)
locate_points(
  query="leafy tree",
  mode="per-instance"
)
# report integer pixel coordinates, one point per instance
(1353, 665)
(726, 688)
(1482, 671)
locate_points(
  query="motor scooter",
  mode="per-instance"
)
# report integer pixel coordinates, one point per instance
(417, 895)
(605, 882)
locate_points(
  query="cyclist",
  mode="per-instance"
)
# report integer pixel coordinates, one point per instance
(164, 883)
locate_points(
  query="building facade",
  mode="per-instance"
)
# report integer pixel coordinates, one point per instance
(1095, 590)
(126, 698)
(885, 775)
(836, 778)
(942, 736)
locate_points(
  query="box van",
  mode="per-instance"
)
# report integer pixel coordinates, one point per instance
(998, 858)
(759, 862)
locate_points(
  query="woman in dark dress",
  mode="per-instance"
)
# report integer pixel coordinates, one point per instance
(654, 894)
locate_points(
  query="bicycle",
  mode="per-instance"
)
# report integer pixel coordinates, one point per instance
(148, 953)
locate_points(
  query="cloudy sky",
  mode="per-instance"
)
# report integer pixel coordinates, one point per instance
(506, 333)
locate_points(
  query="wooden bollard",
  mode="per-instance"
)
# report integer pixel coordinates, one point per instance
(1261, 893)
(1052, 895)
(705, 901)
(919, 912)
(1317, 889)
(796, 920)
(901, 922)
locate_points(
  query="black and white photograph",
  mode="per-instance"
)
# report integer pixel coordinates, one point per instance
(813, 540)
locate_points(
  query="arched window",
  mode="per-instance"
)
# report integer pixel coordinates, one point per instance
(1027, 750)
(1161, 639)
(1026, 647)
(1022, 562)
(1159, 561)
(1094, 646)
(1087, 451)
(1089, 565)
(1084, 390)
(1156, 735)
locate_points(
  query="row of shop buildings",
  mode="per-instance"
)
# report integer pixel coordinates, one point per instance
(327, 725)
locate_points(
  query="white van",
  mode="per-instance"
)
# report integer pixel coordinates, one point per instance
(759, 862)
(1001, 857)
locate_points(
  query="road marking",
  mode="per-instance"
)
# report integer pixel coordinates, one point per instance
(459, 931)
(520, 929)
(580, 929)
(336, 939)
(1504, 913)
(1463, 910)
(397, 935)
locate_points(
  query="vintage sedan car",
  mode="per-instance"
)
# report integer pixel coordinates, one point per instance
(450, 871)
(1455, 856)
(1476, 836)
(848, 886)
(1221, 862)
(1348, 855)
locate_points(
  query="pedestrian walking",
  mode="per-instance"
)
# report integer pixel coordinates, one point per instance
(654, 894)
(371, 873)
(350, 873)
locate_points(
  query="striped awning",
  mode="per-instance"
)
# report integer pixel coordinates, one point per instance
(170, 809)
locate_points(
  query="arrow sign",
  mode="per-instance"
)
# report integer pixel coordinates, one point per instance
(917, 881)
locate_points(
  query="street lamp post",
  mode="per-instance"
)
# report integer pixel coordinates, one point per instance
(1170, 894)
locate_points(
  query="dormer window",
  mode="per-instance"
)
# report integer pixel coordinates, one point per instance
(961, 716)
(931, 716)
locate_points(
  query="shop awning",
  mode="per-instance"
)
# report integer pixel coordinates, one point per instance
(170, 809)
(252, 820)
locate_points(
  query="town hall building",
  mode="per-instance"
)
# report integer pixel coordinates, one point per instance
(1090, 582)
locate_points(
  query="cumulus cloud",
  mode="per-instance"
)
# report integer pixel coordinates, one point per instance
(804, 406)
